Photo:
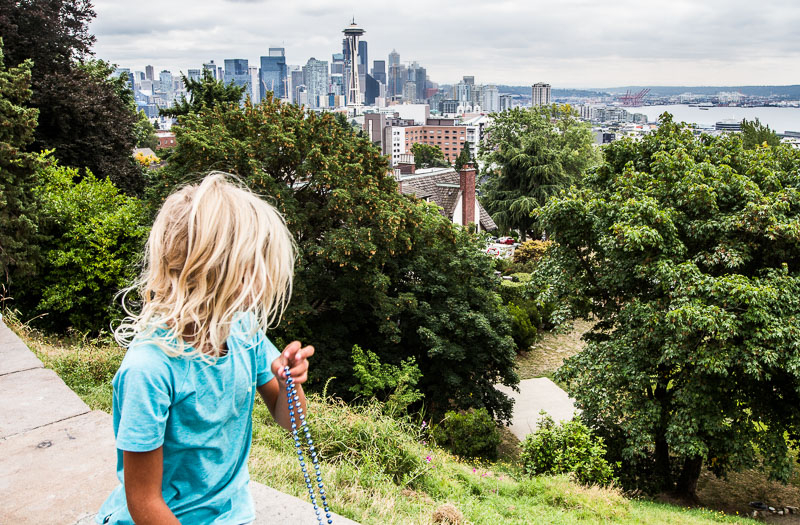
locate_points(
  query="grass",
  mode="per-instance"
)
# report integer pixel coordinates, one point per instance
(381, 470)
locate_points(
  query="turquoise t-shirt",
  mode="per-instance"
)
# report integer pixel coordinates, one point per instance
(202, 414)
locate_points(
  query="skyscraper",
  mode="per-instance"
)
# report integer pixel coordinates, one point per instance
(363, 60)
(395, 82)
(540, 94)
(379, 71)
(273, 73)
(238, 72)
(254, 92)
(212, 67)
(149, 73)
(315, 78)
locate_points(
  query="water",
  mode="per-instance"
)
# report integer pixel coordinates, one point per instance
(779, 120)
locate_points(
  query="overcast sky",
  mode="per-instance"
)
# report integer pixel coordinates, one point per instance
(568, 43)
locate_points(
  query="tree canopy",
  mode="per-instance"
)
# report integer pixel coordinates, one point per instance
(687, 250)
(464, 157)
(204, 93)
(755, 134)
(427, 156)
(376, 268)
(531, 154)
(18, 207)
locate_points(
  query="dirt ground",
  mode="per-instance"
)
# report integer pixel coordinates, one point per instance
(550, 350)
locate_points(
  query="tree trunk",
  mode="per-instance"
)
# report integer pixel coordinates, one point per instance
(687, 481)
(663, 467)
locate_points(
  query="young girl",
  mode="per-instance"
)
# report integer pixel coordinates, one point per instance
(218, 273)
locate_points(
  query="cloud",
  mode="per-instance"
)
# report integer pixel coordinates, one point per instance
(575, 41)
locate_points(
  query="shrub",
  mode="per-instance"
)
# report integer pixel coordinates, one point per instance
(390, 383)
(470, 434)
(522, 329)
(568, 447)
(94, 236)
(530, 251)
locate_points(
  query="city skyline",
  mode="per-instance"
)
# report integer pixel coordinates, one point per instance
(578, 44)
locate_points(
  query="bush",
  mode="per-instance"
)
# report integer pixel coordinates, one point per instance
(94, 237)
(395, 385)
(566, 448)
(522, 328)
(470, 434)
(530, 251)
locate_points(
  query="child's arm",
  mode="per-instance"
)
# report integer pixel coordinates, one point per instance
(273, 392)
(143, 471)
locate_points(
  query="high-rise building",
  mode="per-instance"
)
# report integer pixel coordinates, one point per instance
(212, 67)
(274, 74)
(315, 78)
(352, 34)
(506, 102)
(379, 71)
(149, 73)
(337, 64)
(491, 99)
(165, 82)
(238, 72)
(255, 92)
(295, 74)
(194, 74)
(540, 94)
(470, 80)
(363, 57)
(394, 81)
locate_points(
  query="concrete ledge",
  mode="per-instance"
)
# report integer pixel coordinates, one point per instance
(34, 398)
(58, 472)
(273, 506)
(14, 355)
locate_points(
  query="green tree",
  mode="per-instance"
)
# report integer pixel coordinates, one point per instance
(531, 155)
(427, 156)
(464, 157)
(376, 269)
(204, 93)
(18, 206)
(144, 132)
(755, 134)
(687, 251)
(83, 115)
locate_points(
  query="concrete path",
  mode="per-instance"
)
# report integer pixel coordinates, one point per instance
(57, 457)
(534, 396)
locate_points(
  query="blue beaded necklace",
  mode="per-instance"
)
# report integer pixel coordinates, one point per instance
(292, 398)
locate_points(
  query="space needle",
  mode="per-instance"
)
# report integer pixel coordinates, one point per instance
(352, 33)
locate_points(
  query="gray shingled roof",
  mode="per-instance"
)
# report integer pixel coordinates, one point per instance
(442, 187)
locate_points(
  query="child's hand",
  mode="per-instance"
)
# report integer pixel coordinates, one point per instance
(296, 358)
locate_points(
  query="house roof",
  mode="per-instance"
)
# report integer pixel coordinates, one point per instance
(441, 186)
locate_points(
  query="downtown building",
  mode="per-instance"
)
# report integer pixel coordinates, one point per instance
(540, 94)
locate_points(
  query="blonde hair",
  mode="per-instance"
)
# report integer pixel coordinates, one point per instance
(215, 250)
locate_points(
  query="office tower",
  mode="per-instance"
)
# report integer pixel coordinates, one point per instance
(379, 71)
(296, 80)
(237, 71)
(363, 60)
(165, 82)
(255, 77)
(274, 73)
(352, 33)
(506, 102)
(315, 78)
(372, 89)
(470, 80)
(421, 79)
(194, 74)
(149, 73)
(540, 94)
(337, 64)
(395, 83)
(410, 92)
(491, 99)
(211, 66)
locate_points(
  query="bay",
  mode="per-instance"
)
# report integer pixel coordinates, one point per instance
(779, 119)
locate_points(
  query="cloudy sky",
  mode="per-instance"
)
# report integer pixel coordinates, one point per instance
(568, 43)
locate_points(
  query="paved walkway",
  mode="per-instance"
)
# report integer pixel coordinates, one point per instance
(57, 457)
(534, 396)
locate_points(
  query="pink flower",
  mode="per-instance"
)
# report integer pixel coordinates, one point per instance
(428, 459)
(474, 471)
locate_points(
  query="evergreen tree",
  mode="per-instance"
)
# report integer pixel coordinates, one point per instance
(464, 157)
(427, 156)
(18, 207)
(204, 93)
(755, 134)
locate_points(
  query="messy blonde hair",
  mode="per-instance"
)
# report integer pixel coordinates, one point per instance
(215, 250)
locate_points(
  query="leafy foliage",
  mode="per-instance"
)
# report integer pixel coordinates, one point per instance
(464, 157)
(755, 134)
(531, 155)
(18, 207)
(469, 434)
(394, 385)
(522, 328)
(94, 236)
(376, 268)
(569, 447)
(530, 251)
(685, 249)
(145, 132)
(204, 94)
(83, 114)
(427, 156)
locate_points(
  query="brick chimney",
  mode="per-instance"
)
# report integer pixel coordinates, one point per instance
(467, 186)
